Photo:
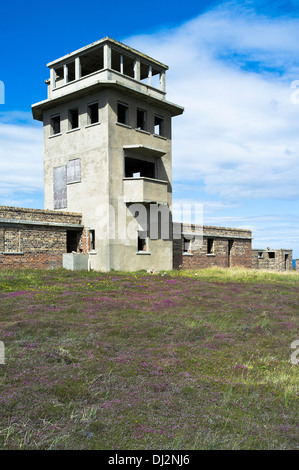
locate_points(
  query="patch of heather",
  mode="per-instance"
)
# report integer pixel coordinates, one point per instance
(196, 360)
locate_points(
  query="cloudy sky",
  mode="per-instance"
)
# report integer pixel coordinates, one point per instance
(233, 66)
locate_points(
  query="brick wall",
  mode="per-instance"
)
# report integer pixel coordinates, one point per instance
(38, 239)
(228, 247)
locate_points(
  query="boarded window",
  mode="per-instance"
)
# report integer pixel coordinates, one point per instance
(59, 187)
(74, 171)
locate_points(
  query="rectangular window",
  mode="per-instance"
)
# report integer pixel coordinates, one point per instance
(260, 255)
(92, 240)
(210, 247)
(55, 124)
(93, 113)
(271, 254)
(187, 245)
(122, 113)
(136, 168)
(159, 125)
(142, 241)
(73, 118)
(141, 120)
(70, 71)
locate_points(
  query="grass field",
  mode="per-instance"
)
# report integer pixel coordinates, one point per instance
(176, 361)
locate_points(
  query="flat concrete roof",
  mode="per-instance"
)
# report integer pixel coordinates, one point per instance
(103, 41)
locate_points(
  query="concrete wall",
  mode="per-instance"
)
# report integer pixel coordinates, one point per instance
(100, 148)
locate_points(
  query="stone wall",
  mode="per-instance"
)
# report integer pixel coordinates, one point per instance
(277, 260)
(196, 247)
(32, 238)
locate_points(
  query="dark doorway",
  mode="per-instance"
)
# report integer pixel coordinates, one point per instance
(286, 257)
(230, 247)
(72, 239)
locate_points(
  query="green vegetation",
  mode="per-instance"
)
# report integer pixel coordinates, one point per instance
(177, 360)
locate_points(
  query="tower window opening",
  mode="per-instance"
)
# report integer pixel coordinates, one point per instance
(59, 76)
(122, 113)
(93, 113)
(55, 124)
(159, 126)
(70, 71)
(73, 118)
(139, 168)
(92, 62)
(141, 119)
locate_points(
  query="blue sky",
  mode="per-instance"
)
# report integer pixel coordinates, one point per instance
(231, 66)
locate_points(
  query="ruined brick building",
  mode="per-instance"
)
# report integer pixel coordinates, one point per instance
(108, 175)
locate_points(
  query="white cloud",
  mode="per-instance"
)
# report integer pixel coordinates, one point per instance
(21, 156)
(238, 137)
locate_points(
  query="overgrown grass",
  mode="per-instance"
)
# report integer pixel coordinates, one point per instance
(177, 360)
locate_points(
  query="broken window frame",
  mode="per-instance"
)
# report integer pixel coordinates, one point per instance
(93, 108)
(159, 126)
(71, 112)
(122, 108)
(55, 125)
(141, 120)
(260, 255)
